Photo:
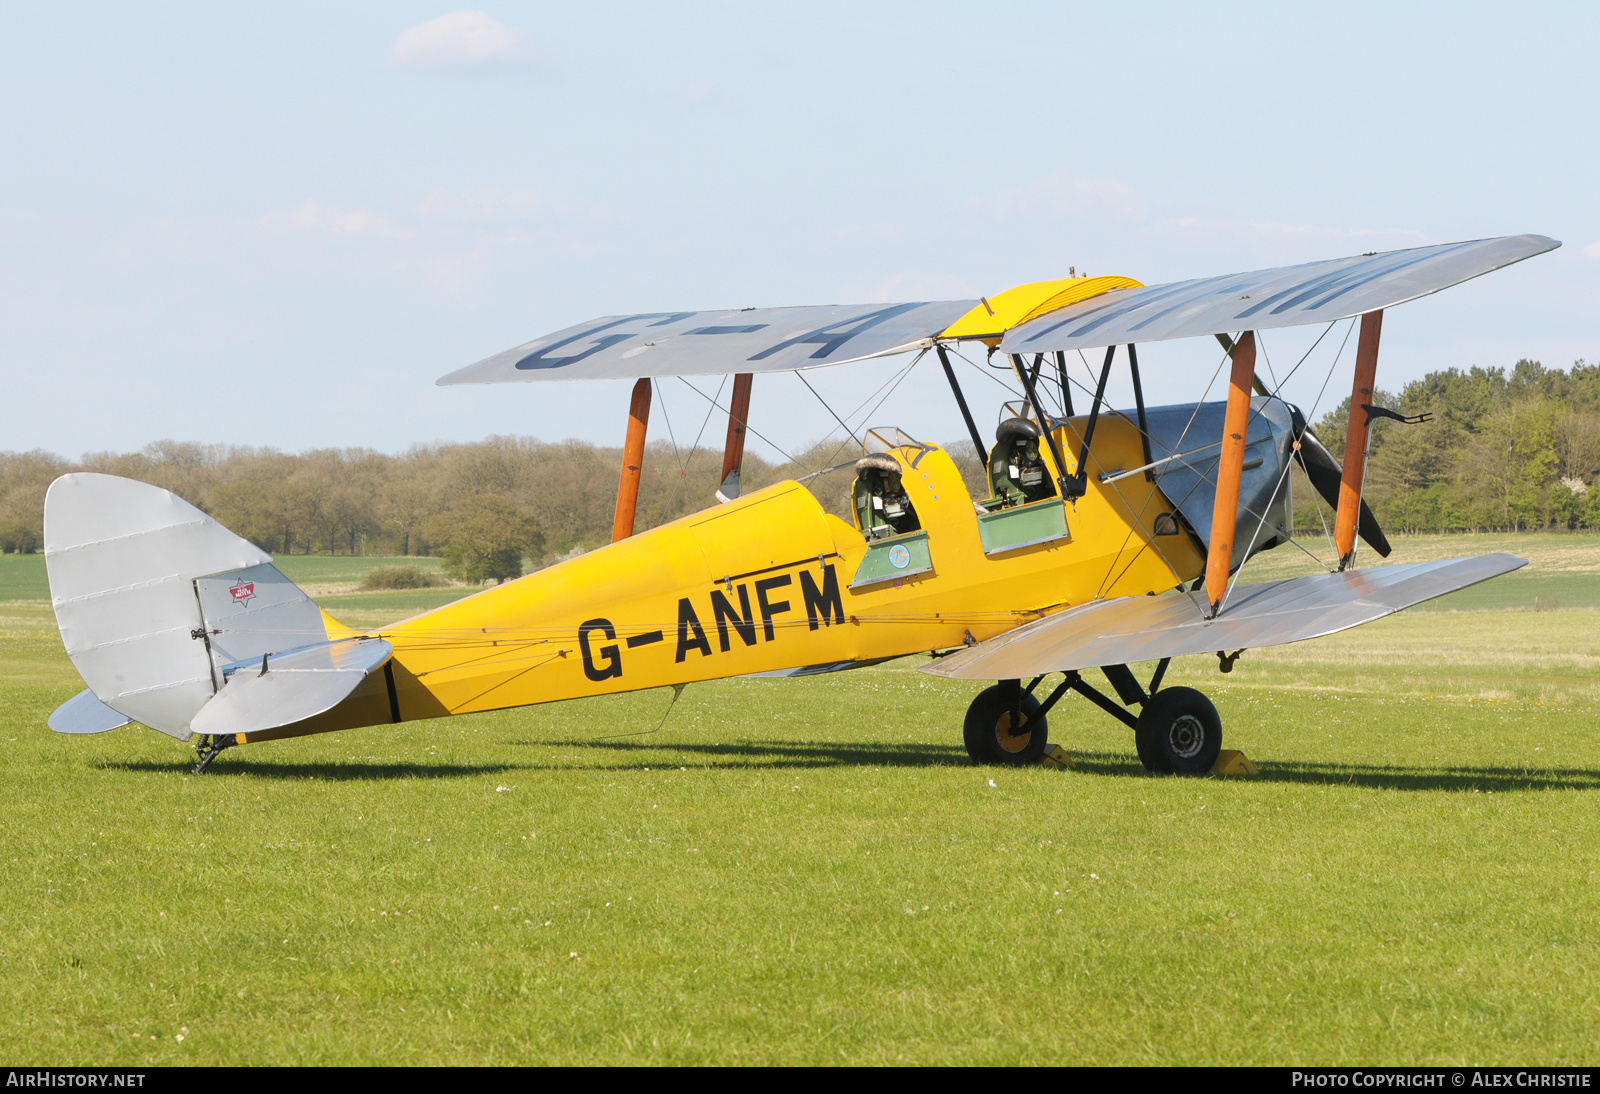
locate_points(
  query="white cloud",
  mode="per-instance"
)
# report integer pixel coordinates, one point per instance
(313, 216)
(483, 203)
(1593, 250)
(1063, 194)
(462, 40)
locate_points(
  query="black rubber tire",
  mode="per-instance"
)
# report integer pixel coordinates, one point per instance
(1179, 731)
(985, 730)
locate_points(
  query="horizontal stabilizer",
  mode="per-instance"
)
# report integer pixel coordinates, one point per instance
(290, 687)
(83, 713)
(1147, 628)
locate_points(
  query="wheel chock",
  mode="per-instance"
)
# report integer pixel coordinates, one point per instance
(1055, 756)
(1230, 761)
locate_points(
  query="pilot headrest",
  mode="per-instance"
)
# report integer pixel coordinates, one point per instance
(1016, 429)
(878, 461)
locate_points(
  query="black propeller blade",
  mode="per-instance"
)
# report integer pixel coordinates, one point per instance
(1324, 472)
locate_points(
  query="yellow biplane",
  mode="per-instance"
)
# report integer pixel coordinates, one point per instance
(1105, 538)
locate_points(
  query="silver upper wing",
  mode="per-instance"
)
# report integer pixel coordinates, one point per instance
(715, 343)
(1317, 292)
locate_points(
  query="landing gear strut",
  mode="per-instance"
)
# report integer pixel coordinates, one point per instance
(1177, 730)
(209, 747)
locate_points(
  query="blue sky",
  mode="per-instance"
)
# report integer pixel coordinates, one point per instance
(280, 226)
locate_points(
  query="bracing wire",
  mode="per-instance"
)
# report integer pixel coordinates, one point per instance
(1277, 385)
(1261, 519)
(987, 372)
(1261, 522)
(892, 383)
(892, 380)
(1304, 357)
(1178, 446)
(683, 464)
(802, 378)
(661, 397)
(677, 690)
(765, 439)
(1089, 389)
(1277, 394)
(898, 381)
(677, 455)
(695, 447)
(1317, 501)
(990, 373)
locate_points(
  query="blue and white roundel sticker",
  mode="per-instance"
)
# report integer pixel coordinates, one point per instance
(899, 557)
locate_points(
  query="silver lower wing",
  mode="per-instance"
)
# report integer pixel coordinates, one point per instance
(1147, 628)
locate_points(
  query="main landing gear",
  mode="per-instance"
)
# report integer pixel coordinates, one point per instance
(1006, 725)
(1176, 730)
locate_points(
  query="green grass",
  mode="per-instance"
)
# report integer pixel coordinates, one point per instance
(1563, 569)
(810, 871)
(338, 569)
(375, 609)
(22, 578)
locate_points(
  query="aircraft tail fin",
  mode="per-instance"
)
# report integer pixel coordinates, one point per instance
(161, 608)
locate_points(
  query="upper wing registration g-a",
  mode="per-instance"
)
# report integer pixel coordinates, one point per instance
(1042, 317)
(702, 343)
(1289, 296)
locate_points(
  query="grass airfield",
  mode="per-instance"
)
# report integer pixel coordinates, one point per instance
(812, 872)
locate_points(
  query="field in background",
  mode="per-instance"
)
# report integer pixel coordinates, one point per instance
(1563, 570)
(334, 581)
(810, 871)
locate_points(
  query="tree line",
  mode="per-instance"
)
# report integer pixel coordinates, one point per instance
(1513, 450)
(1510, 449)
(484, 506)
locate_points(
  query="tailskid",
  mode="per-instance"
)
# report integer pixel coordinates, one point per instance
(209, 746)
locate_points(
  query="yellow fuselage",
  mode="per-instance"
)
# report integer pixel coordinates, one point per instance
(764, 584)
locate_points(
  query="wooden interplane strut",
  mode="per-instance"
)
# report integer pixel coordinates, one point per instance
(1230, 469)
(733, 447)
(1355, 438)
(632, 461)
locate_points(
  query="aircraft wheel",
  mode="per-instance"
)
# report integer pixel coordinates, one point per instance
(988, 730)
(1179, 731)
